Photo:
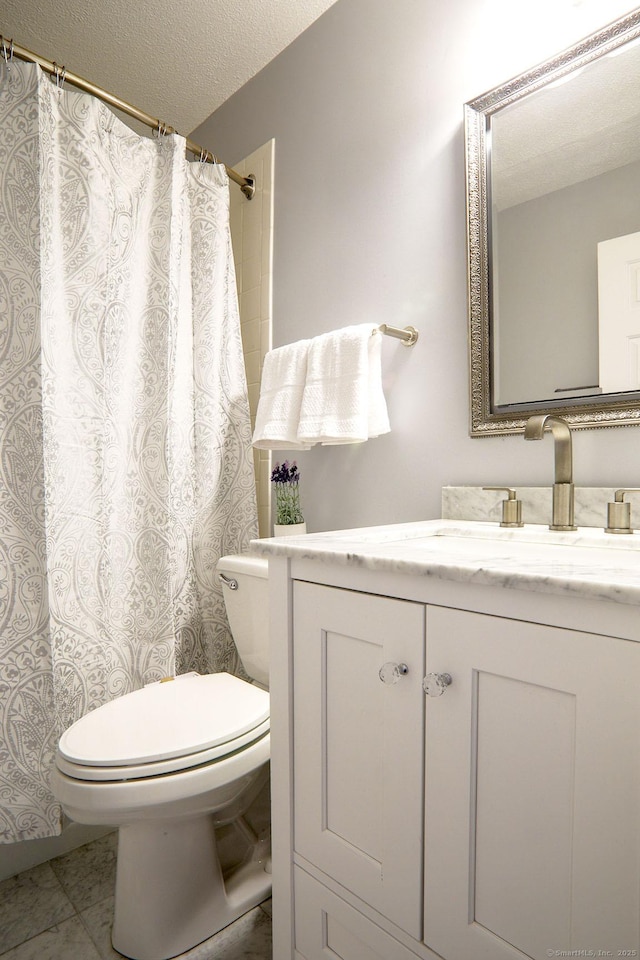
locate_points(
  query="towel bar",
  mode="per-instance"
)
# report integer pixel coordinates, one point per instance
(408, 335)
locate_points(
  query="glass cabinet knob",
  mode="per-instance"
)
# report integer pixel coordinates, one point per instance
(435, 684)
(391, 672)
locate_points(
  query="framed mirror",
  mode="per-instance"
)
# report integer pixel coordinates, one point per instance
(553, 209)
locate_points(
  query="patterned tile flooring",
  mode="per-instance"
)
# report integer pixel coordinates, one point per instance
(62, 910)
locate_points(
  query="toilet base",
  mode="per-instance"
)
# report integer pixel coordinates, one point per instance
(170, 890)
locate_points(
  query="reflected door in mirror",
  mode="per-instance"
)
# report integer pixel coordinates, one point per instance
(619, 313)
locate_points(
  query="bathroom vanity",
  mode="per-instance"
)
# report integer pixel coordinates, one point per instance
(455, 743)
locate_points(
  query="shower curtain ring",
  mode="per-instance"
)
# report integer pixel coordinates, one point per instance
(60, 74)
(8, 58)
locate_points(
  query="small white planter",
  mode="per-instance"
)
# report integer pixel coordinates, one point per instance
(289, 529)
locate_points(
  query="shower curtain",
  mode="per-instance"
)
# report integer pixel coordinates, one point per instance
(125, 441)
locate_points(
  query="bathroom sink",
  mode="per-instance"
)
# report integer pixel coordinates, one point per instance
(533, 547)
(540, 534)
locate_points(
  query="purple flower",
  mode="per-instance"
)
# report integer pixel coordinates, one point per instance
(285, 473)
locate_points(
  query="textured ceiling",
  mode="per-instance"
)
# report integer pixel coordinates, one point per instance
(177, 60)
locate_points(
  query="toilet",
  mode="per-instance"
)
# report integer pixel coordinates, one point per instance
(169, 763)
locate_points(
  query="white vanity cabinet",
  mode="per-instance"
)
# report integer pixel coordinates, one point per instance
(499, 820)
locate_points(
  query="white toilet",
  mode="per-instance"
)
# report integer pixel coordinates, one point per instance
(169, 763)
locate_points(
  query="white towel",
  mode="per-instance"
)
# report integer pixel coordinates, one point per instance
(278, 414)
(343, 401)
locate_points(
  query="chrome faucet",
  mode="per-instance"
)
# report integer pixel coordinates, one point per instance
(562, 517)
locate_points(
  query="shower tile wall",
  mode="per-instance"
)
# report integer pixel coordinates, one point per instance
(252, 237)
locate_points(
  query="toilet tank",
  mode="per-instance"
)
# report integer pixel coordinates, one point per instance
(248, 611)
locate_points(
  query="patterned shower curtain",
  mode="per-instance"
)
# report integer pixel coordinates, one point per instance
(125, 442)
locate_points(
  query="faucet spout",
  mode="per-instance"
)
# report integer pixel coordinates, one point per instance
(534, 430)
(562, 518)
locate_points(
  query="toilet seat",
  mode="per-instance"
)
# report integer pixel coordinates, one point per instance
(165, 728)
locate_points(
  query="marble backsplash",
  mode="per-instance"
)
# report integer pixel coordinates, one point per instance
(474, 503)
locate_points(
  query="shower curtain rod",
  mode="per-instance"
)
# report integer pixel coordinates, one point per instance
(9, 49)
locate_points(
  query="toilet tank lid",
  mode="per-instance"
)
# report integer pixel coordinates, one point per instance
(165, 720)
(243, 563)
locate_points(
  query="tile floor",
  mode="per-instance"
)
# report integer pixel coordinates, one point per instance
(62, 910)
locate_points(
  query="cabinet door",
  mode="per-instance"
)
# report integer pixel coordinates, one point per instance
(358, 778)
(532, 795)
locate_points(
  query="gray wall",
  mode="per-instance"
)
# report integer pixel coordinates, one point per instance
(366, 111)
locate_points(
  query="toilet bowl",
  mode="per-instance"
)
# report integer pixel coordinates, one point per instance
(167, 765)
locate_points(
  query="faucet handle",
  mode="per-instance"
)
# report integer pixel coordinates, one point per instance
(619, 512)
(511, 508)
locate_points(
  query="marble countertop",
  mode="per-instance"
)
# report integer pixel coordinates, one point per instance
(587, 563)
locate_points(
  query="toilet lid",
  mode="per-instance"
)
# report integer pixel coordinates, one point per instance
(167, 720)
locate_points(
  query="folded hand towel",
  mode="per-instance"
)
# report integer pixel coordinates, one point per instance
(283, 380)
(343, 401)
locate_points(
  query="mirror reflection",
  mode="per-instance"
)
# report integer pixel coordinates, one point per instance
(553, 162)
(565, 217)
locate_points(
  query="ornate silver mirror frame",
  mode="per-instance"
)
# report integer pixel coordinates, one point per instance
(605, 411)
